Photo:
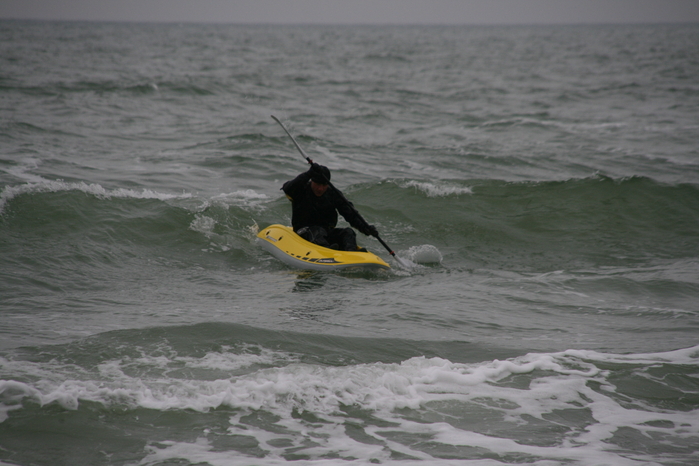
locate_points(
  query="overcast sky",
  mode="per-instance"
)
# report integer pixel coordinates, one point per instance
(359, 11)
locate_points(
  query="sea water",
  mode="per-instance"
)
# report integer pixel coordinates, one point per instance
(540, 183)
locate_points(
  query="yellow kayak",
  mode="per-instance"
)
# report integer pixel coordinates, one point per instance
(290, 248)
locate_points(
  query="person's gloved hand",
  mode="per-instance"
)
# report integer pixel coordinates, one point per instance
(370, 230)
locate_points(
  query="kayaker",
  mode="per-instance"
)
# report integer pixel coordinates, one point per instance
(314, 208)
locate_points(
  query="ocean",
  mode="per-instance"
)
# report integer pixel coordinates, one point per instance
(541, 183)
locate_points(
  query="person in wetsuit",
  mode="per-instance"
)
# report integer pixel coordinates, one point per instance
(314, 207)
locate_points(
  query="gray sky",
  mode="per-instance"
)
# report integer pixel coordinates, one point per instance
(359, 11)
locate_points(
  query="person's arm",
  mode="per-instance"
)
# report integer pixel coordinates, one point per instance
(353, 217)
(292, 187)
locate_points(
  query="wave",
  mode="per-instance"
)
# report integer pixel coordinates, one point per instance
(65, 230)
(280, 391)
(94, 189)
(129, 87)
(544, 226)
(436, 189)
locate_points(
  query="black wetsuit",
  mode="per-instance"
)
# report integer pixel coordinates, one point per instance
(315, 217)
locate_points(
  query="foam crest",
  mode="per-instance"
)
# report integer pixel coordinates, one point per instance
(22, 170)
(12, 393)
(378, 386)
(203, 224)
(437, 190)
(94, 189)
(243, 197)
(684, 356)
(227, 359)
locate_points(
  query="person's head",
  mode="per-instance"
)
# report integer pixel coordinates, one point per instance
(322, 175)
(319, 181)
(318, 188)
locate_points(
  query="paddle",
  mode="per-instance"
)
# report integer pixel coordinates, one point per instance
(342, 196)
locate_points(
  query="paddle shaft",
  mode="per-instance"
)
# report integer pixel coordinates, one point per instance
(342, 196)
(308, 159)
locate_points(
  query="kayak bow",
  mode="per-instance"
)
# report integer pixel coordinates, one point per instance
(290, 248)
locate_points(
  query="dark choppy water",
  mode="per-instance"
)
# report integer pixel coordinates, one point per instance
(544, 181)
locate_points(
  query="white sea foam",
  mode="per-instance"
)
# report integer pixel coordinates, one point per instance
(437, 189)
(440, 394)
(203, 224)
(48, 186)
(12, 393)
(686, 356)
(245, 196)
(423, 254)
(22, 170)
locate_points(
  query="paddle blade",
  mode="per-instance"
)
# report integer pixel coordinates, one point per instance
(403, 263)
